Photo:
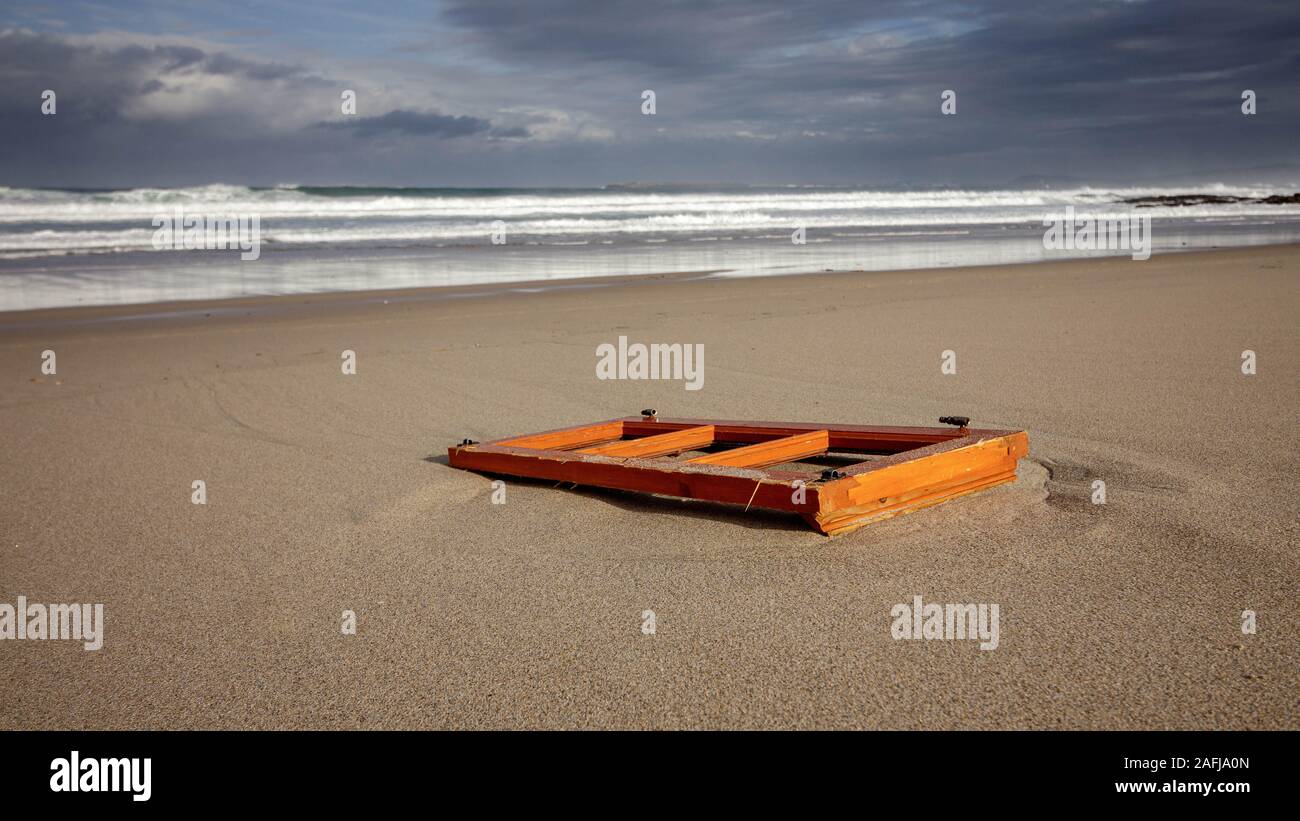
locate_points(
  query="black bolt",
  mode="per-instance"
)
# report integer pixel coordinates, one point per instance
(829, 474)
(959, 421)
(465, 442)
(649, 413)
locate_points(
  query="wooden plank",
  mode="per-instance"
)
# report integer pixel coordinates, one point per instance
(567, 438)
(839, 522)
(665, 443)
(773, 452)
(871, 438)
(704, 482)
(849, 503)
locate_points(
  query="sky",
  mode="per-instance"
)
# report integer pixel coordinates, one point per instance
(550, 92)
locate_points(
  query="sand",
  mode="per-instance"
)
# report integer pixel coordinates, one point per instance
(328, 492)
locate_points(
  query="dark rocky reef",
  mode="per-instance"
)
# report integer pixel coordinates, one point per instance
(1177, 200)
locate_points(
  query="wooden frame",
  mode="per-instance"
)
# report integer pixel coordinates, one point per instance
(910, 467)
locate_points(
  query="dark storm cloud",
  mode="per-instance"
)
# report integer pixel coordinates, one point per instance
(1054, 55)
(163, 114)
(756, 91)
(674, 36)
(100, 85)
(414, 123)
(225, 64)
(1102, 90)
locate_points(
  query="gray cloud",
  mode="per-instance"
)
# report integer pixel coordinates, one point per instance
(759, 91)
(412, 123)
(676, 37)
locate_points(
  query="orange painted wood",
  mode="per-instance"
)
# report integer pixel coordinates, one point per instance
(869, 438)
(908, 485)
(665, 443)
(919, 467)
(706, 482)
(774, 452)
(838, 522)
(567, 438)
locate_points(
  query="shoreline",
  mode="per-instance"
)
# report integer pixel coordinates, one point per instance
(145, 278)
(321, 301)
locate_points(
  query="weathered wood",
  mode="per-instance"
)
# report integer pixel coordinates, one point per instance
(567, 438)
(923, 466)
(849, 503)
(665, 443)
(840, 522)
(707, 482)
(774, 452)
(868, 438)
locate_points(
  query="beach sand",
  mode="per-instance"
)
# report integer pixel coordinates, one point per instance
(328, 492)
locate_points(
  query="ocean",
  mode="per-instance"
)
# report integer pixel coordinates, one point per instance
(78, 247)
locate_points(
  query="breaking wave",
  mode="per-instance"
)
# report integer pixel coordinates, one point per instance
(52, 222)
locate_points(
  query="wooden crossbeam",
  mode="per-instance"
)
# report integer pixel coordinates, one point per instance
(567, 438)
(665, 443)
(774, 452)
(851, 438)
(856, 500)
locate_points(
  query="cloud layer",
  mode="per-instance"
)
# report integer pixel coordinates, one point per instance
(487, 92)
